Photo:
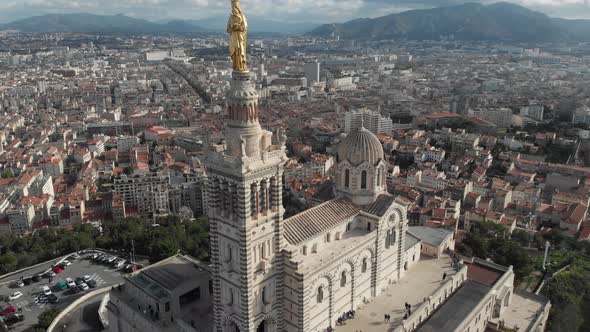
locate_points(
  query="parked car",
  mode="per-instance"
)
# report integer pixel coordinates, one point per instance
(15, 296)
(62, 285)
(57, 270)
(46, 290)
(52, 298)
(83, 286)
(19, 284)
(80, 281)
(67, 263)
(73, 256)
(75, 290)
(119, 264)
(8, 310)
(70, 282)
(86, 278)
(49, 274)
(27, 280)
(37, 277)
(92, 283)
(13, 319)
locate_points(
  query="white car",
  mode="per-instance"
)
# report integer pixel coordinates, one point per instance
(15, 296)
(46, 290)
(19, 284)
(70, 282)
(83, 286)
(67, 263)
(86, 278)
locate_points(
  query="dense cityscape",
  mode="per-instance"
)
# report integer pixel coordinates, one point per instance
(159, 182)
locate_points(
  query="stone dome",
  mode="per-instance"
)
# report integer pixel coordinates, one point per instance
(359, 146)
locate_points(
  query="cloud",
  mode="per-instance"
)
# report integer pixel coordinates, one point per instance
(285, 10)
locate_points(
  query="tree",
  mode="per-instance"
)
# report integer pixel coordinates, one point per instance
(489, 240)
(7, 173)
(569, 292)
(8, 262)
(46, 317)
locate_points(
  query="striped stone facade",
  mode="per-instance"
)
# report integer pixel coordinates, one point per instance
(245, 175)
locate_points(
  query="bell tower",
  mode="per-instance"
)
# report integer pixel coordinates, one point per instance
(245, 209)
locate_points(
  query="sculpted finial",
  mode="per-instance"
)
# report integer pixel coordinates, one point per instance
(237, 27)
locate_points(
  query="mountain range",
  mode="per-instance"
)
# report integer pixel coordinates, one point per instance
(471, 21)
(90, 23)
(497, 22)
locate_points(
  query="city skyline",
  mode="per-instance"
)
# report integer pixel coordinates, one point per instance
(292, 11)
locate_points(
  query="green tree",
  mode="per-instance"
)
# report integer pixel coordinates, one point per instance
(8, 262)
(46, 317)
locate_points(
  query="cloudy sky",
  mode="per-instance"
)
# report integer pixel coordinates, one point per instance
(321, 11)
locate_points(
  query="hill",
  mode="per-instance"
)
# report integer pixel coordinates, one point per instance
(90, 23)
(497, 22)
(257, 24)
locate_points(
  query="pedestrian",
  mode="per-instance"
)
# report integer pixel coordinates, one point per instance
(444, 276)
(406, 315)
(385, 318)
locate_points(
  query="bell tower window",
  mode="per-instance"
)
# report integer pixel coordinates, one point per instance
(347, 179)
(364, 180)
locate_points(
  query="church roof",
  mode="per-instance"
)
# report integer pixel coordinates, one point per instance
(316, 220)
(360, 146)
(380, 206)
(429, 235)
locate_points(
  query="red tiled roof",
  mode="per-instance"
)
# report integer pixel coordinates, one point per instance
(483, 274)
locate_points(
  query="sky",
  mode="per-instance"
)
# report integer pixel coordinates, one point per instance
(294, 11)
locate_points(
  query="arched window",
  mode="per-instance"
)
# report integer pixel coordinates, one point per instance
(264, 295)
(387, 239)
(348, 227)
(253, 200)
(364, 180)
(343, 279)
(346, 179)
(364, 265)
(262, 196)
(231, 296)
(304, 250)
(228, 255)
(328, 237)
(320, 296)
(262, 251)
(379, 177)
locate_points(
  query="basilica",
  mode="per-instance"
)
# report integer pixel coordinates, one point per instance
(300, 273)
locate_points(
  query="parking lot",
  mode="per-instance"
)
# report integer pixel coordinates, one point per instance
(34, 302)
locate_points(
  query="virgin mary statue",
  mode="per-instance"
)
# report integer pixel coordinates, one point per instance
(237, 27)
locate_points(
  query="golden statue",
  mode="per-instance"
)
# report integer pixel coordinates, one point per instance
(237, 27)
